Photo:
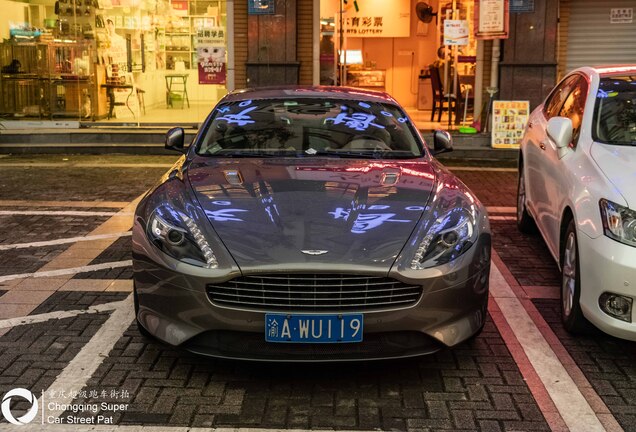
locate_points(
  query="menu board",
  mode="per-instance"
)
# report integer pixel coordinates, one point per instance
(508, 122)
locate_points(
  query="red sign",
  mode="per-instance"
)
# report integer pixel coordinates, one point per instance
(212, 73)
(180, 7)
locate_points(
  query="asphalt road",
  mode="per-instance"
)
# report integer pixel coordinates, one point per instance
(67, 332)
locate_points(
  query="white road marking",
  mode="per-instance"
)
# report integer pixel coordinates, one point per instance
(59, 213)
(78, 204)
(64, 241)
(83, 165)
(33, 319)
(77, 373)
(68, 271)
(569, 401)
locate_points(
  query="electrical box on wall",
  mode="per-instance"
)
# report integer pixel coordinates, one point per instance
(422, 29)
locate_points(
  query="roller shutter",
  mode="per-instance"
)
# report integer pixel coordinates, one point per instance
(593, 40)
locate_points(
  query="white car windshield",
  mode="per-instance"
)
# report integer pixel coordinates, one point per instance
(615, 111)
(309, 127)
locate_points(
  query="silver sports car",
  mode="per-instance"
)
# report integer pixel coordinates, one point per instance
(310, 224)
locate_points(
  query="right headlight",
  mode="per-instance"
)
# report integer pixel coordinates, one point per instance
(449, 236)
(619, 223)
(177, 235)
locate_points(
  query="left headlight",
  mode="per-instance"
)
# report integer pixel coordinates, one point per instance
(449, 236)
(619, 223)
(177, 235)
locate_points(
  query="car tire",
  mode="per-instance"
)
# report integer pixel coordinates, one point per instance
(142, 330)
(571, 314)
(525, 223)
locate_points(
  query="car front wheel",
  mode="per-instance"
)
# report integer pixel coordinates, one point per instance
(525, 223)
(571, 314)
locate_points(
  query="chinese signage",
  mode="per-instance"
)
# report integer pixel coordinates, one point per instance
(210, 43)
(508, 123)
(491, 19)
(180, 7)
(621, 15)
(371, 18)
(455, 32)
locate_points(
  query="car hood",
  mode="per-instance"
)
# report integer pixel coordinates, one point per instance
(304, 213)
(617, 163)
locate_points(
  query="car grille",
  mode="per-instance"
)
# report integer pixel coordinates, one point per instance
(314, 292)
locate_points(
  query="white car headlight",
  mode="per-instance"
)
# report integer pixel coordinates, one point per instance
(619, 223)
(449, 236)
(180, 238)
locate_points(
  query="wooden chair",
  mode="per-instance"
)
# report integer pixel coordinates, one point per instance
(440, 98)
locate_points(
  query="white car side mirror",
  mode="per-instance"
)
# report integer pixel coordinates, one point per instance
(560, 131)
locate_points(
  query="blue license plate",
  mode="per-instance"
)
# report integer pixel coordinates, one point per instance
(313, 328)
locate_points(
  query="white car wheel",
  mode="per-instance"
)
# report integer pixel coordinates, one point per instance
(571, 314)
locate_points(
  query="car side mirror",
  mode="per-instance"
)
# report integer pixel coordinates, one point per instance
(175, 139)
(560, 131)
(442, 142)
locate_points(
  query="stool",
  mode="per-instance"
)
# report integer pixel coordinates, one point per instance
(176, 85)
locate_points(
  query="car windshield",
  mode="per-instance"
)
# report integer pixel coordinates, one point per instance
(309, 127)
(615, 111)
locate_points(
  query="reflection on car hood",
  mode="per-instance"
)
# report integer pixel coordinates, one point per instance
(617, 162)
(290, 211)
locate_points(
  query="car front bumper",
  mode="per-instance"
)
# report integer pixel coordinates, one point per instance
(607, 266)
(174, 307)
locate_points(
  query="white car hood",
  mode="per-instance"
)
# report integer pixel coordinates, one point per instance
(618, 163)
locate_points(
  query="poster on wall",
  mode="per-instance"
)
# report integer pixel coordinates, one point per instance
(491, 19)
(210, 44)
(508, 122)
(455, 32)
(371, 18)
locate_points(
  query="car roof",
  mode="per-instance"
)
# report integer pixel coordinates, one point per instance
(610, 70)
(323, 92)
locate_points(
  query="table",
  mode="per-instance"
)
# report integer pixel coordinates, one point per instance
(177, 84)
(110, 90)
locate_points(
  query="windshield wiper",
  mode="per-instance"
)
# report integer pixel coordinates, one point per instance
(347, 154)
(247, 154)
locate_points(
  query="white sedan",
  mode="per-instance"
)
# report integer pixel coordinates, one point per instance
(577, 184)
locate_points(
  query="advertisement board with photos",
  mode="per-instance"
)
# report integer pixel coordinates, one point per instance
(508, 123)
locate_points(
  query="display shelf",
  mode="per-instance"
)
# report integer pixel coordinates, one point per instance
(59, 83)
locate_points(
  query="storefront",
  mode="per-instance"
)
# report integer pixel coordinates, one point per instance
(390, 46)
(112, 61)
(169, 61)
